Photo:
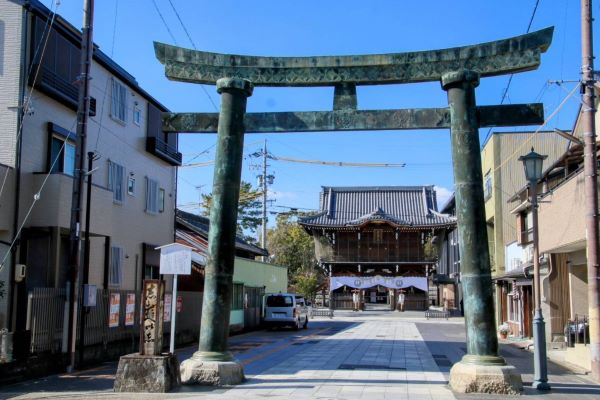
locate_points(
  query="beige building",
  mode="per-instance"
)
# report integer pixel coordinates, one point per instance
(134, 171)
(503, 176)
(562, 241)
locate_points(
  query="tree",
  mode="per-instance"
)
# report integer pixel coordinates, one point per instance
(291, 247)
(249, 210)
(307, 283)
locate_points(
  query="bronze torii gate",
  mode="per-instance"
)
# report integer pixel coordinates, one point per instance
(458, 69)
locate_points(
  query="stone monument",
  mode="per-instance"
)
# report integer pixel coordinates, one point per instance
(149, 370)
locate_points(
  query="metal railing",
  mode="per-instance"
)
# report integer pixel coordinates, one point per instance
(48, 307)
(577, 331)
(46, 311)
(158, 146)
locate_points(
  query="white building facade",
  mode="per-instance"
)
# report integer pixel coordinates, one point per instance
(134, 189)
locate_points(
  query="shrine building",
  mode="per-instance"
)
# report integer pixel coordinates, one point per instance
(378, 242)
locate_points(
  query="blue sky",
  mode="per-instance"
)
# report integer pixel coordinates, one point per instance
(126, 29)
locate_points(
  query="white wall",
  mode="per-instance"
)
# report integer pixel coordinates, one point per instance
(127, 224)
(10, 58)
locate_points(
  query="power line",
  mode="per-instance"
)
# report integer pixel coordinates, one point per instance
(552, 115)
(164, 22)
(193, 45)
(510, 78)
(337, 163)
(114, 33)
(183, 25)
(37, 195)
(26, 106)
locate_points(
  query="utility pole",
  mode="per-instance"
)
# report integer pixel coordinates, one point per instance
(86, 251)
(588, 111)
(83, 107)
(263, 241)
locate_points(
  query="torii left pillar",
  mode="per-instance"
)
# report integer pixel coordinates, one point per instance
(213, 364)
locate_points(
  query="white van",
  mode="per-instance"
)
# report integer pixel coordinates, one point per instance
(285, 309)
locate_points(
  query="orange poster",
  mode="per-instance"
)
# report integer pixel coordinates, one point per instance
(113, 312)
(130, 309)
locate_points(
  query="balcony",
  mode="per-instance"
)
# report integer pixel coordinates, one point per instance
(163, 151)
(58, 88)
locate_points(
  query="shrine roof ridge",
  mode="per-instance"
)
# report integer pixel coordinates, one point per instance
(400, 206)
(505, 56)
(377, 188)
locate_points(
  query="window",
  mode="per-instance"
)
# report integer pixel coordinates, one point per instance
(237, 300)
(487, 186)
(131, 186)
(279, 301)
(137, 115)
(161, 200)
(62, 156)
(116, 266)
(116, 174)
(151, 272)
(152, 196)
(118, 108)
(524, 228)
(61, 150)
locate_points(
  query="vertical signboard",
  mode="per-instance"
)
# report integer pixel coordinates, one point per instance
(167, 308)
(114, 310)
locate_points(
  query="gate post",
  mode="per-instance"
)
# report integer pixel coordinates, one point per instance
(213, 364)
(481, 369)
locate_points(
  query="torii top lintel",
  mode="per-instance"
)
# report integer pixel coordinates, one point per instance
(516, 54)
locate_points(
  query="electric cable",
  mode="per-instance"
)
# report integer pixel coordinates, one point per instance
(510, 78)
(37, 195)
(26, 106)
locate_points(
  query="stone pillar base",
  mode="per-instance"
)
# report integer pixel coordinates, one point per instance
(478, 378)
(199, 371)
(154, 374)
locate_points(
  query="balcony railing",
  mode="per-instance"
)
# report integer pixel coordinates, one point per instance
(378, 259)
(55, 86)
(162, 150)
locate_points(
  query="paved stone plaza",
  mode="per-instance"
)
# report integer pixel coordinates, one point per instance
(361, 355)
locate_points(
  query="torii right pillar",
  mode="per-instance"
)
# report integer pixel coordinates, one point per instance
(481, 370)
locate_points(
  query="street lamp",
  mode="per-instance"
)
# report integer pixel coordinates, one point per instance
(533, 173)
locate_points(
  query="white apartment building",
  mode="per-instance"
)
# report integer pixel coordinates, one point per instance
(134, 174)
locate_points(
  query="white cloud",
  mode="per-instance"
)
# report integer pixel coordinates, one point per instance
(443, 195)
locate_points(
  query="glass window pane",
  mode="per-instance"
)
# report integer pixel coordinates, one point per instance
(56, 163)
(161, 200)
(69, 159)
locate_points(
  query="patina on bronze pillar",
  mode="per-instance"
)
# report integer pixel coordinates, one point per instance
(482, 342)
(218, 281)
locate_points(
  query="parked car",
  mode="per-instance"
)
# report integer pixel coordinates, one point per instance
(285, 309)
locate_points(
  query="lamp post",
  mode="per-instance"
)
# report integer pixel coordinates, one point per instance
(533, 172)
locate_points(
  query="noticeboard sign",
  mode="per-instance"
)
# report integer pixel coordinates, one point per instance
(175, 259)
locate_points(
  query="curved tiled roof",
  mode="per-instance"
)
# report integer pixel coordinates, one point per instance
(409, 206)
